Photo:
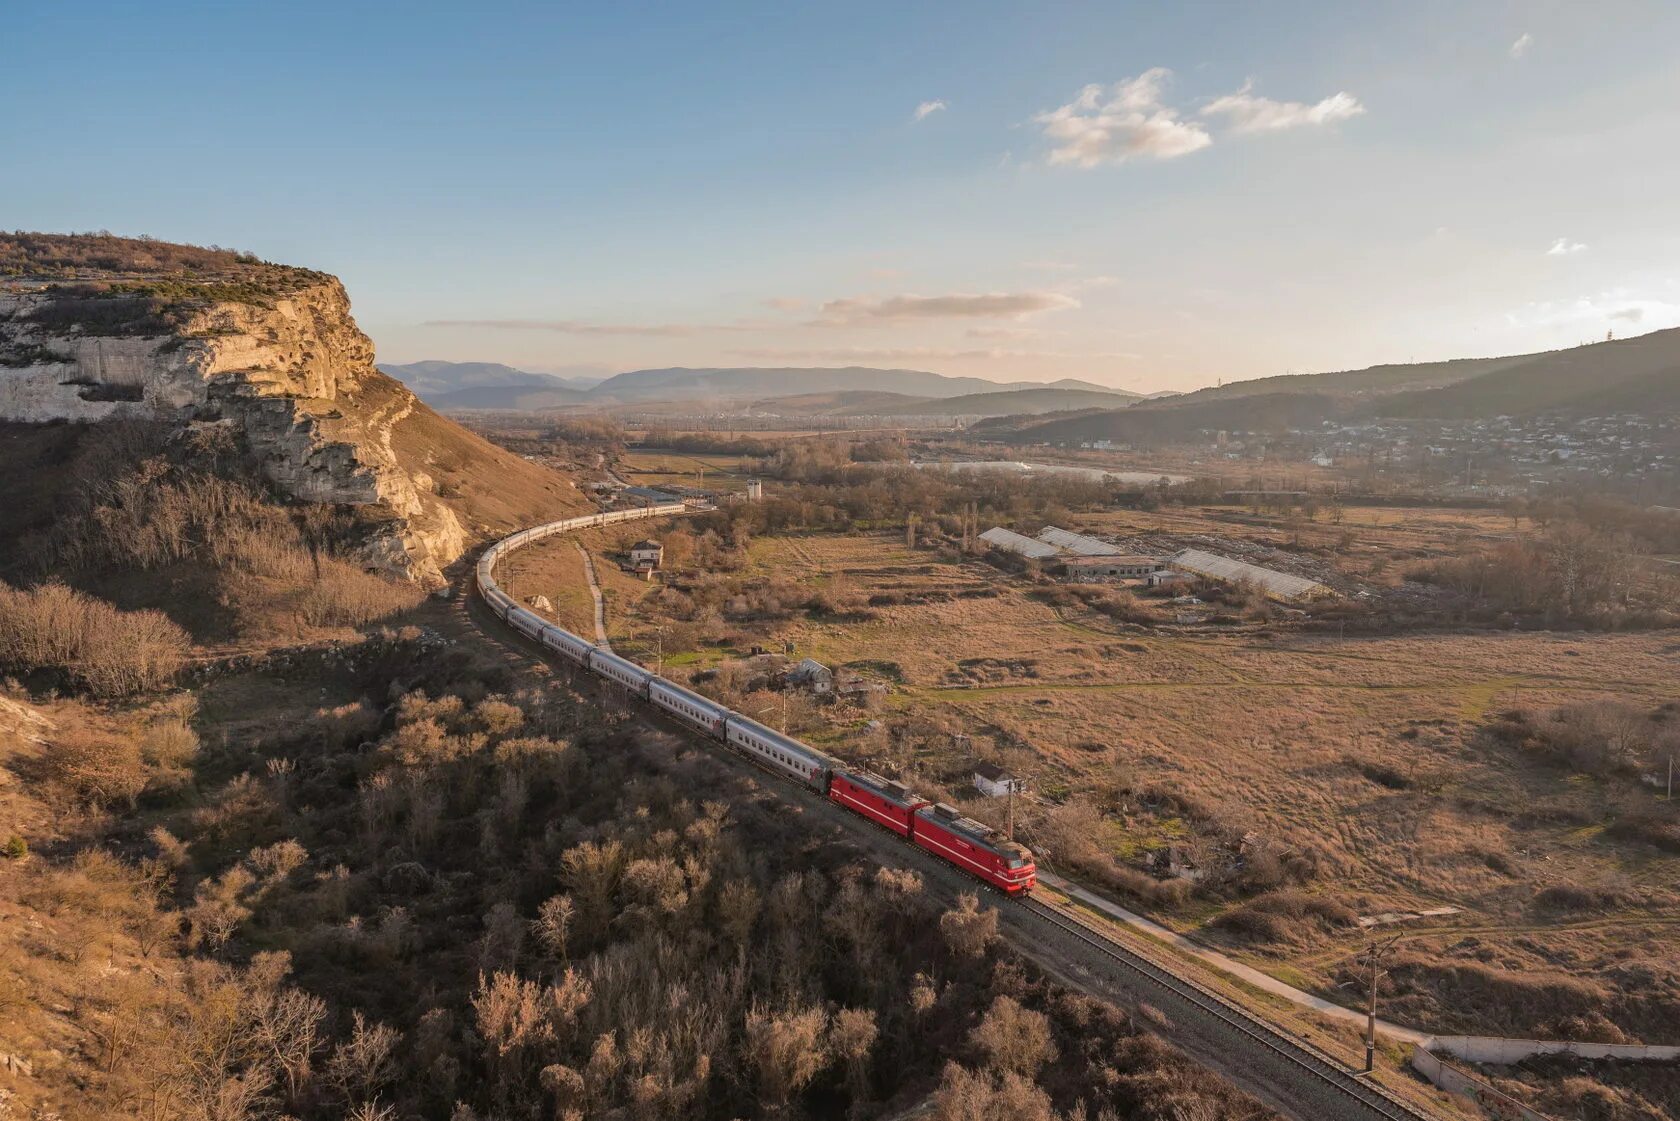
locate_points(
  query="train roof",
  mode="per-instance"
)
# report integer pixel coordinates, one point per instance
(949, 817)
(672, 687)
(783, 740)
(891, 789)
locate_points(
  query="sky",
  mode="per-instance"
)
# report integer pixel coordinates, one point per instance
(1149, 196)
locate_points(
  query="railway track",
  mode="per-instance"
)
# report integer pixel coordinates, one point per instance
(1277, 1066)
(1306, 1076)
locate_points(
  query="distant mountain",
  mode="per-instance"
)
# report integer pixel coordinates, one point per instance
(1582, 379)
(1640, 374)
(488, 385)
(678, 384)
(869, 403)
(1012, 402)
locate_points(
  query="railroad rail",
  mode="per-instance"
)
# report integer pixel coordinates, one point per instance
(1303, 1066)
(1303, 1078)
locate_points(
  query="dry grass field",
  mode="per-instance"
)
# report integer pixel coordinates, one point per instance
(652, 467)
(1363, 754)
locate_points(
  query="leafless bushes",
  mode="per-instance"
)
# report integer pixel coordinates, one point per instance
(108, 652)
(1596, 737)
(1572, 573)
(1284, 917)
(282, 573)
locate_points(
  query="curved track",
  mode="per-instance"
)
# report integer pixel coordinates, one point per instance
(1277, 1066)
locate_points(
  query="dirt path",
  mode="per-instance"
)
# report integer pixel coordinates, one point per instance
(601, 638)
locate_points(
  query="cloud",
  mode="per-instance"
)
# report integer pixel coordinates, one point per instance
(1591, 314)
(1520, 47)
(1050, 265)
(1248, 113)
(991, 305)
(1123, 122)
(784, 303)
(1563, 247)
(582, 327)
(928, 108)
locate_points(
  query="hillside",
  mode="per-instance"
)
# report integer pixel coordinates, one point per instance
(1582, 380)
(1372, 381)
(1014, 402)
(1626, 375)
(1146, 425)
(98, 328)
(850, 402)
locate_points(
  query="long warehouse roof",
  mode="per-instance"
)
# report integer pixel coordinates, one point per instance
(1076, 542)
(1280, 585)
(1011, 542)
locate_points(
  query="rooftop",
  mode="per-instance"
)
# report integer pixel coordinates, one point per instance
(1279, 585)
(1011, 542)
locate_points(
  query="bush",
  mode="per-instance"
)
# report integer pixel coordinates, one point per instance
(15, 848)
(107, 652)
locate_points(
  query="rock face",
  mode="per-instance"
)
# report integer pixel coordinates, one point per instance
(289, 369)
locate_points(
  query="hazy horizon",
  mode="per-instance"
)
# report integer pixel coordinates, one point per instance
(1151, 200)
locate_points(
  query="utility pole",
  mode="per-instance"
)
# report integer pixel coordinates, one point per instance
(1009, 823)
(1372, 958)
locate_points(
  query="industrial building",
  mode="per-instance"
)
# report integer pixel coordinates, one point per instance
(1126, 567)
(1068, 542)
(1008, 541)
(1276, 585)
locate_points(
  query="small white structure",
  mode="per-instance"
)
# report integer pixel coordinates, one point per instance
(995, 782)
(645, 556)
(755, 490)
(1008, 541)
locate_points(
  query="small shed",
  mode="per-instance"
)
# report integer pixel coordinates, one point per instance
(813, 675)
(995, 782)
(646, 555)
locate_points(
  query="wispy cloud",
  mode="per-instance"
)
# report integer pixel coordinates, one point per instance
(1247, 112)
(1563, 247)
(928, 108)
(1591, 314)
(585, 327)
(1114, 124)
(784, 303)
(990, 305)
(1520, 47)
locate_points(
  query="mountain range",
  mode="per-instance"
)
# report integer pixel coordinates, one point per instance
(853, 390)
(1640, 375)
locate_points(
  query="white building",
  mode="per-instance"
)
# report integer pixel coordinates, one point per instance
(646, 555)
(995, 782)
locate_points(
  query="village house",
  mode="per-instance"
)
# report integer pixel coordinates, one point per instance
(646, 556)
(995, 782)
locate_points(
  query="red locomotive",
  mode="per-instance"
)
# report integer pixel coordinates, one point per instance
(972, 846)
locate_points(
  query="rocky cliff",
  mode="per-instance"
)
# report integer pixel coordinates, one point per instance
(274, 353)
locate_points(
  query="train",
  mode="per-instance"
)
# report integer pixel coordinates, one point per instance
(940, 829)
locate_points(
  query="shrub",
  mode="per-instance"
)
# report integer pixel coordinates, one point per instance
(15, 848)
(108, 652)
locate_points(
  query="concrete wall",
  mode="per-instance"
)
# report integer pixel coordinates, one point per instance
(1492, 1102)
(1495, 1049)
